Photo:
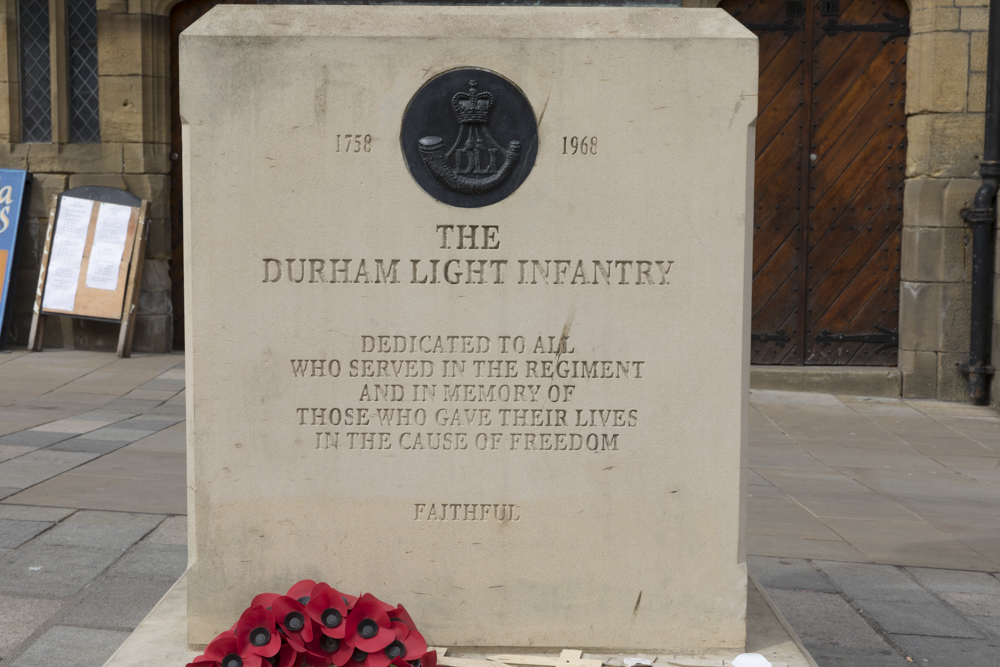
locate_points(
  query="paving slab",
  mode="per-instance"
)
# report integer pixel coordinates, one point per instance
(783, 517)
(117, 602)
(14, 533)
(946, 652)
(21, 617)
(63, 645)
(788, 574)
(159, 562)
(39, 465)
(824, 618)
(116, 494)
(33, 513)
(863, 581)
(765, 545)
(33, 438)
(84, 443)
(828, 655)
(955, 581)
(104, 531)
(908, 543)
(41, 570)
(916, 618)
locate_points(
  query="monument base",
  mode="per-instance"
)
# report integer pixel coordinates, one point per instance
(160, 640)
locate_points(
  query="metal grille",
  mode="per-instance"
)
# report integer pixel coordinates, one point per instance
(81, 33)
(36, 73)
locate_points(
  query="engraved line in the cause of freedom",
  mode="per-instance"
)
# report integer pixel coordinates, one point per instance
(468, 271)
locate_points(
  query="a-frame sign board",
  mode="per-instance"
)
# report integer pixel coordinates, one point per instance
(92, 261)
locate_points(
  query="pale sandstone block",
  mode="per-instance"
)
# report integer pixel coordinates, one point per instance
(944, 145)
(154, 297)
(933, 254)
(967, 3)
(103, 158)
(13, 156)
(153, 333)
(265, 92)
(159, 245)
(106, 180)
(922, 199)
(937, 72)
(977, 51)
(960, 193)
(147, 158)
(952, 384)
(42, 189)
(975, 18)
(919, 373)
(932, 19)
(934, 316)
(132, 44)
(113, 6)
(134, 109)
(977, 91)
(155, 188)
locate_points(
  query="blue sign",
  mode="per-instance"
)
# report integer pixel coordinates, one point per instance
(12, 191)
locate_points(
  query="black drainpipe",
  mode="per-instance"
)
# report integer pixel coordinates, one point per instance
(982, 217)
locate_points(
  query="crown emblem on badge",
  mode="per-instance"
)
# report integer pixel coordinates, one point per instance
(473, 106)
(475, 163)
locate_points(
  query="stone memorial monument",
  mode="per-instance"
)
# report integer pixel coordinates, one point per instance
(468, 293)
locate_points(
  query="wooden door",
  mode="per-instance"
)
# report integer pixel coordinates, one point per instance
(830, 166)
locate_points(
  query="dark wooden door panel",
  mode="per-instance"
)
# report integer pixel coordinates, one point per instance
(830, 163)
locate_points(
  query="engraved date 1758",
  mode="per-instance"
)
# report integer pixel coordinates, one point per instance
(354, 143)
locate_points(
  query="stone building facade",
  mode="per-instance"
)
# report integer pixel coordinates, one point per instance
(135, 42)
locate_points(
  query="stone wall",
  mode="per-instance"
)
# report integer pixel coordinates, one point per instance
(133, 155)
(946, 93)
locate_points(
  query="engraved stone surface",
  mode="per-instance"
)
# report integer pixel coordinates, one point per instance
(525, 418)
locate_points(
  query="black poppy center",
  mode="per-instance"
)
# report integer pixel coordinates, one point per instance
(367, 628)
(358, 655)
(329, 644)
(395, 650)
(294, 621)
(258, 637)
(331, 618)
(304, 599)
(232, 660)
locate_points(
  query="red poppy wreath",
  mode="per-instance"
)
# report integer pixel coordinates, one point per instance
(316, 625)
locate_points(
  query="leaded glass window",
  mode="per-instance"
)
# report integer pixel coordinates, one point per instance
(81, 33)
(36, 72)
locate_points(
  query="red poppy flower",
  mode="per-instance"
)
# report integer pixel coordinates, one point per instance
(429, 659)
(287, 657)
(407, 645)
(329, 609)
(368, 626)
(302, 589)
(225, 651)
(264, 600)
(202, 661)
(255, 633)
(290, 614)
(323, 651)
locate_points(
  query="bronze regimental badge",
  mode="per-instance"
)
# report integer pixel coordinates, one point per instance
(469, 137)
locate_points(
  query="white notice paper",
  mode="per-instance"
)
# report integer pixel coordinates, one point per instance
(109, 244)
(67, 253)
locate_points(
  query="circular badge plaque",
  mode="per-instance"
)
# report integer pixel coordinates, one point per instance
(469, 137)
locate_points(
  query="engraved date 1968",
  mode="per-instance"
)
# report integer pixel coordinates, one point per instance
(354, 143)
(579, 145)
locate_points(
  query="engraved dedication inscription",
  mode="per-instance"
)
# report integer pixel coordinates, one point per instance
(469, 137)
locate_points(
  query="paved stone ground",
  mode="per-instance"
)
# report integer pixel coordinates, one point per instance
(874, 524)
